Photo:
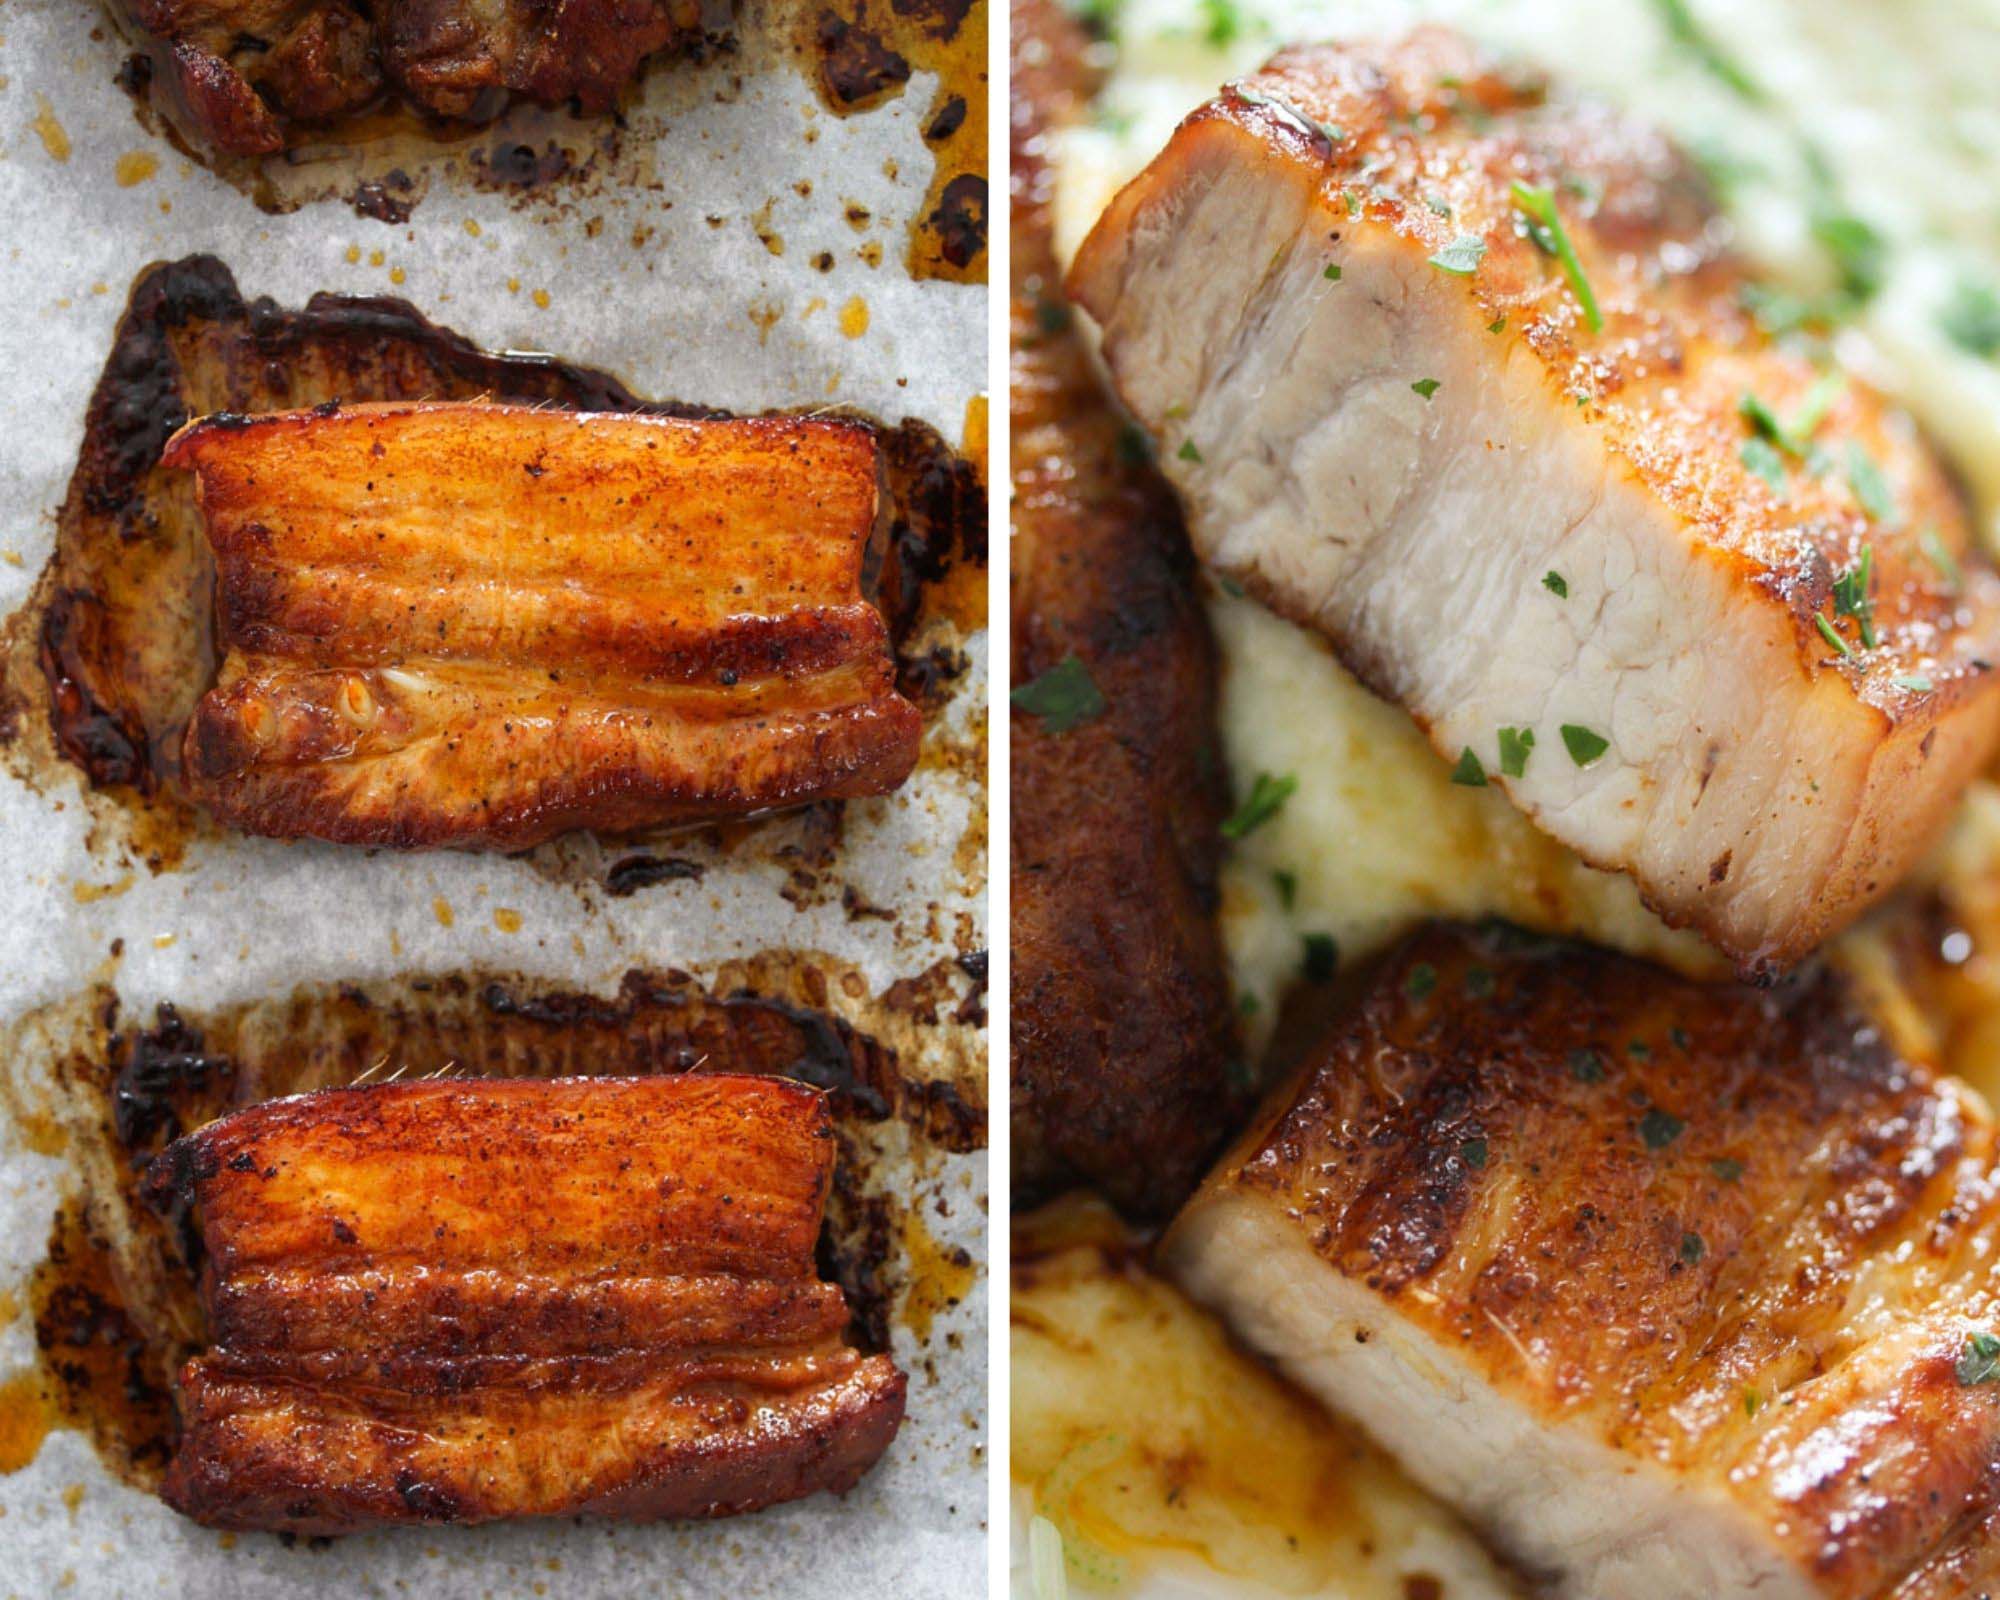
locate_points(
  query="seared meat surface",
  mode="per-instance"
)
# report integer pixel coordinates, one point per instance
(1677, 1291)
(1121, 1028)
(1456, 373)
(463, 1301)
(242, 74)
(485, 625)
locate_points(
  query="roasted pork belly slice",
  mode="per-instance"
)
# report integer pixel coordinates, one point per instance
(1677, 1291)
(1536, 474)
(482, 626)
(1123, 1033)
(462, 1301)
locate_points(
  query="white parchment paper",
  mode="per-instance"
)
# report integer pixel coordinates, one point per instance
(673, 286)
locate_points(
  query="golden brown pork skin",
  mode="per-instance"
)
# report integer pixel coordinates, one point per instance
(465, 1301)
(481, 626)
(1121, 1024)
(1675, 1290)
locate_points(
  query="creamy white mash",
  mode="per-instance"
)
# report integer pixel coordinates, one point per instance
(1815, 115)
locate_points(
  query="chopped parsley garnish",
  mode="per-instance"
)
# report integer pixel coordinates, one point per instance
(1332, 273)
(1497, 325)
(1915, 682)
(1288, 888)
(1753, 1402)
(1062, 697)
(1586, 1066)
(1933, 545)
(1639, 1050)
(1516, 745)
(1221, 22)
(1764, 420)
(1971, 319)
(1692, 1248)
(1267, 798)
(1851, 597)
(1248, 1005)
(1583, 745)
(1051, 316)
(1762, 458)
(1685, 31)
(1322, 956)
(1556, 584)
(1479, 982)
(1474, 1152)
(1426, 387)
(1813, 408)
(1469, 772)
(1871, 488)
(1727, 1169)
(1660, 1128)
(1831, 635)
(1979, 1360)
(1859, 253)
(1462, 255)
(1540, 207)
(1422, 980)
(1187, 451)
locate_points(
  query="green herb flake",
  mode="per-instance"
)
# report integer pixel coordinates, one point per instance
(1221, 22)
(1322, 956)
(1516, 745)
(1639, 1050)
(1583, 745)
(1915, 682)
(1761, 457)
(1692, 1248)
(1764, 420)
(1727, 1169)
(1426, 387)
(1051, 316)
(1267, 798)
(1860, 254)
(1660, 1128)
(1422, 980)
(1332, 272)
(1479, 982)
(1931, 542)
(1979, 1360)
(1473, 1152)
(1469, 773)
(1540, 208)
(1852, 597)
(1753, 1402)
(1832, 637)
(1462, 256)
(1188, 452)
(1679, 21)
(1497, 325)
(1971, 319)
(1870, 486)
(1062, 697)
(1288, 888)
(1248, 1005)
(1813, 409)
(1586, 1065)
(1556, 584)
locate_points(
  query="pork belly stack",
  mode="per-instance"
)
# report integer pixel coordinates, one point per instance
(463, 1301)
(482, 626)
(1675, 1291)
(1459, 376)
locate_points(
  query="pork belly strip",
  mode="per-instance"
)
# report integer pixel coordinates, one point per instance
(481, 626)
(1122, 1037)
(469, 1300)
(1389, 416)
(1676, 1291)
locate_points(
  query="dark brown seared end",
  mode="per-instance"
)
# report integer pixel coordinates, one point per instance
(243, 75)
(1123, 1039)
